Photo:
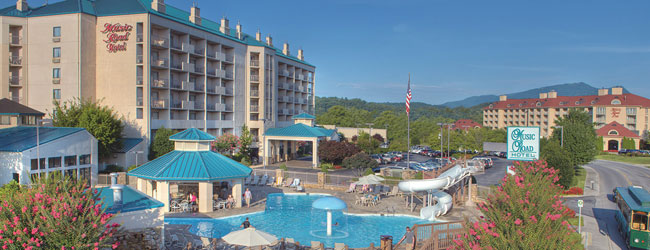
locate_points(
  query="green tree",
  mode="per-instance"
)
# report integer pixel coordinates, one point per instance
(161, 143)
(100, 121)
(600, 144)
(559, 159)
(368, 144)
(359, 162)
(628, 143)
(579, 136)
(246, 139)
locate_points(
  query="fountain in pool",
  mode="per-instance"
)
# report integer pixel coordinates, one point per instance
(328, 220)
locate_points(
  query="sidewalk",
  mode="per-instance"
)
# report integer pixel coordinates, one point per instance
(595, 239)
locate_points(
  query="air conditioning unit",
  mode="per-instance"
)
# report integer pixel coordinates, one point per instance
(56, 60)
(56, 39)
(56, 80)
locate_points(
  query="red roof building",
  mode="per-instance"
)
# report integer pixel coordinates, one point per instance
(613, 134)
(466, 124)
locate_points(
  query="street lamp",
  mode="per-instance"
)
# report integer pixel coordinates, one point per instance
(370, 136)
(265, 150)
(441, 137)
(561, 135)
(136, 156)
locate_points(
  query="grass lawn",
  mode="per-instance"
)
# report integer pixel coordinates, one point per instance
(579, 178)
(626, 159)
(574, 221)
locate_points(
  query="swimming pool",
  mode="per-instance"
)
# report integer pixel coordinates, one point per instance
(291, 216)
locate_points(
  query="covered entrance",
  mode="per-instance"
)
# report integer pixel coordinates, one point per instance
(612, 145)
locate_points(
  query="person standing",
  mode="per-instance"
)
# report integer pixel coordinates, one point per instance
(193, 202)
(409, 237)
(248, 196)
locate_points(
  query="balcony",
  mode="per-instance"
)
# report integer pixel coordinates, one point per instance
(17, 98)
(176, 104)
(159, 41)
(255, 108)
(139, 102)
(631, 121)
(211, 72)
(301, 77)
(177, 66)
(198, 105)
(197, 69)
(15, 81)
(255, 93)
(229, 91)
(138, 80)
(255, 78)
(255, 63)
(56, 80)
(211, 90)
(139, 37)
(176, 84)
(228, 75)
(15, 60)
(285, 99)
(187, 66)
(187, 48)
(177, 45)
(159, 83)
(228, 108)
(229, 58)
(285, 73)
(138, 59)
(198, 51)
(159, 103)
(198, 87)
(210, 107)
(159, 62)
(15, 40)
(188, 104)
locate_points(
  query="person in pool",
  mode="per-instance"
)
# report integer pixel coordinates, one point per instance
(245, 224)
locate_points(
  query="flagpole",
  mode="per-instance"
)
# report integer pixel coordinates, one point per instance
(408, 132)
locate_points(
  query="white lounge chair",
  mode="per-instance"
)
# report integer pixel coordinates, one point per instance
(248, 180)
(288, 182)
(317, 245)
(295, 183)
(340, 246)
(352, 187)
(271, 181)
(255, 180)
(263, 181)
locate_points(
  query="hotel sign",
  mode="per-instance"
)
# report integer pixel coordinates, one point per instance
(523, 143)
(116, 36)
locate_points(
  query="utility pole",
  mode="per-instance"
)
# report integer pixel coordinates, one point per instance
(441, 137)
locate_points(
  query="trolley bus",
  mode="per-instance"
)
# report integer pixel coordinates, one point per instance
(632, 216)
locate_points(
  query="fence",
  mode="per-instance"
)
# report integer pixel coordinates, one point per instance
(105, 180)
(438, 235)
(310, 178)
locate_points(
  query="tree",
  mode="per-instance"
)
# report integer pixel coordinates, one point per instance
(246, 140)
(579, 136)
(161, 143)
(359, 162)
(368, 145)
(559, 159)
(628, 143)
(227, 143)
(600, 144)
(378, 137)
(334, 152)
(524, 212)
(55, 213)
(100, 121)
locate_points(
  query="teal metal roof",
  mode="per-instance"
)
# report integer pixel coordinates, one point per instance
(304, 116)
(191, 166)
(132, 200)
(192, 134)
(125, 7)
(299, 130)
(128, 144)
(637, 198)
(19, 139)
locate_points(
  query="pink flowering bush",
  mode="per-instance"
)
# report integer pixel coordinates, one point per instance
(525, 212)
(55, 213)
(227, 144)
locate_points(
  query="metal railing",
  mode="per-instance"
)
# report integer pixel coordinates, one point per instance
(211, 90)
(159, 62)
(159, 83)
(198, 105)
(228, 107)
(188, 85)
(17, 98)
(255, 93)
(159, 103)
(228, 75)
(255, 78)
(139, 80)
(15, 60)
(15, 80)
(255, 63)
(138, 59)
(159, 41)
(229, 58)
(176, 45)
(211, 107)
(255, 108)
(177, 84)
(211, 72)
(15, 40)
(176, 104)
(139, 101)
(139, 37)
(198, 51)
(198, 87)
(228, 91)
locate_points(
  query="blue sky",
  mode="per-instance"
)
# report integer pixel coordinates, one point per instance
(453, 49)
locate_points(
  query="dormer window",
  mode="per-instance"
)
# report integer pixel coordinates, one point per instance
(509, 105)
(612, 132)
(616, 102)
(538, 104)
(491, 105)
(562, 103)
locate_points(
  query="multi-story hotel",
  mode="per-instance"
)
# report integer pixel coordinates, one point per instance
(156, 65)
(622, 111)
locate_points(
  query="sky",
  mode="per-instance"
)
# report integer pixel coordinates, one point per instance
(452, 49)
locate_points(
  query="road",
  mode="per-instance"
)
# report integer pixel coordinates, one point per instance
(493, 175)
(598, 204)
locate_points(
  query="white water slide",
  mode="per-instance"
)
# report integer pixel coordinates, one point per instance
(434, 187)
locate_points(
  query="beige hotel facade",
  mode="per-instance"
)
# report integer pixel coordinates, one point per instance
(155, 64)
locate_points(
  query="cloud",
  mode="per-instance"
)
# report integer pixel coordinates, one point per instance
(514, 67)
(611, 49)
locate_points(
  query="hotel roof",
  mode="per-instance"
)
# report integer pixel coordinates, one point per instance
(127, 7)
(572, 101)
(9, 107)
(191, 166)
(299, 130)
(19, 139)
(192, 134)
(621, 131)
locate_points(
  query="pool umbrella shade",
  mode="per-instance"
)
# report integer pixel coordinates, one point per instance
(250, 237)
(367, 181)
(373, 177)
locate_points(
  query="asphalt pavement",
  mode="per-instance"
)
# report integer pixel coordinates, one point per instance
(493, 175)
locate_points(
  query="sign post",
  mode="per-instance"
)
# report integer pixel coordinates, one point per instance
(523, 143)
(580, 203)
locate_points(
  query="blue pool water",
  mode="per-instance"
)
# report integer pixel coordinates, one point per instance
(291, 216)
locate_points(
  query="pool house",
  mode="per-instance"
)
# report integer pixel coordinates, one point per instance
(192, 168)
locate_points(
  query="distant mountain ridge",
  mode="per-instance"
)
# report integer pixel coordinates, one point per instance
(566, 89)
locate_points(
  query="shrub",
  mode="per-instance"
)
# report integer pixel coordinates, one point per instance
(525, 212)
(360, 161)
(334, 152)
(245, 161)
(419, 175)
(573, 191)
(324, 168)
(132, 167)
(368, 171)
(55, 213)
(112, 168)
(284, 167)
(160, 145)
(9, 189)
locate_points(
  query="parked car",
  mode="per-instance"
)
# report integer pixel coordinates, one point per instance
(377, 158)
(387, 158)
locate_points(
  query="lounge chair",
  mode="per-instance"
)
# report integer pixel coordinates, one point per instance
(296, 182)
(256, 179)
(278, 182)
(394, 192)
(386, 191)
(263, 181)
(317, 245)
(288, 182)
(271, 181)
(248, 180)
(340, 246)
(351, 188)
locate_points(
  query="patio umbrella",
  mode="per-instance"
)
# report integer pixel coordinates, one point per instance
(250, 237)
(367, 181)
(373, 177)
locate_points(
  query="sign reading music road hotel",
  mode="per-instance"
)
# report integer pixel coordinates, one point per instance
(523, 143)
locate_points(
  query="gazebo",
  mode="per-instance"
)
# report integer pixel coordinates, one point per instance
(280, 143)
(191, 162)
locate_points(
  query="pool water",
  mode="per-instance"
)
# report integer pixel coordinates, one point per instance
(291, 216)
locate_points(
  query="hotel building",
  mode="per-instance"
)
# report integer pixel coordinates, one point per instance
(155, 64)
(617, 109)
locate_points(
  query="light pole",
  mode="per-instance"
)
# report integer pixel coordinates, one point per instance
(561, 135)
(136, 156)
(38, 143)
(448, 135)
(264, 149)
(370, 136)
(441, 136)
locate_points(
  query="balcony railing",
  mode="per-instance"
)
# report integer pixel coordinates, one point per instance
(15, 60)
(228, 91)
(177, 45)
(187, 66)
(159, 103)
(255, 93)
(211, 72)
(198, 51)
(159, 62)
(285, 73)
(198, 105)
(139, 80)
(187, 47)
(211, 90)
(139, 102)
(139, 37)
(211, 107)
(197, 69)
(255, 108)
(255, 78)
(188, 104)
(17, 98)
(176, 104)
(138, 59)
(177, 66)
(176, 84)
(255, 63)
(15, 80)
(228, 107)
(159, 83)
(188, 85)
(15, 40)
(229, 58)
(198, 87)
(228, 75)
(159, 41)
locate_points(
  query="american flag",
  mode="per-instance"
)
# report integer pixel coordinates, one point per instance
(408, 96)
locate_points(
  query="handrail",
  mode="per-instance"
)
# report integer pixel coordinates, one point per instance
(437, 235)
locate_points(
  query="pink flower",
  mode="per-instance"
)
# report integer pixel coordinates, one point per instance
(533, 218)
(517, 221)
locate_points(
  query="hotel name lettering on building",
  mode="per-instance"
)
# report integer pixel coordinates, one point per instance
(523, 143)
(116, 36)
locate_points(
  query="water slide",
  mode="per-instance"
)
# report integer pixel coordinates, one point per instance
(443, 201)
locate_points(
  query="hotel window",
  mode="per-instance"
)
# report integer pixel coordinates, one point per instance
(56, 73)
(155, 115)
(54, 162)
(35, 164)
(84, 159)
(28, 120)
(56, 31)
(56, 94)
(138, 113)
(5, 120)
(71, 160)
(56, 52)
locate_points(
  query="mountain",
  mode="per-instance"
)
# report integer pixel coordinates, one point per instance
(567, 89)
